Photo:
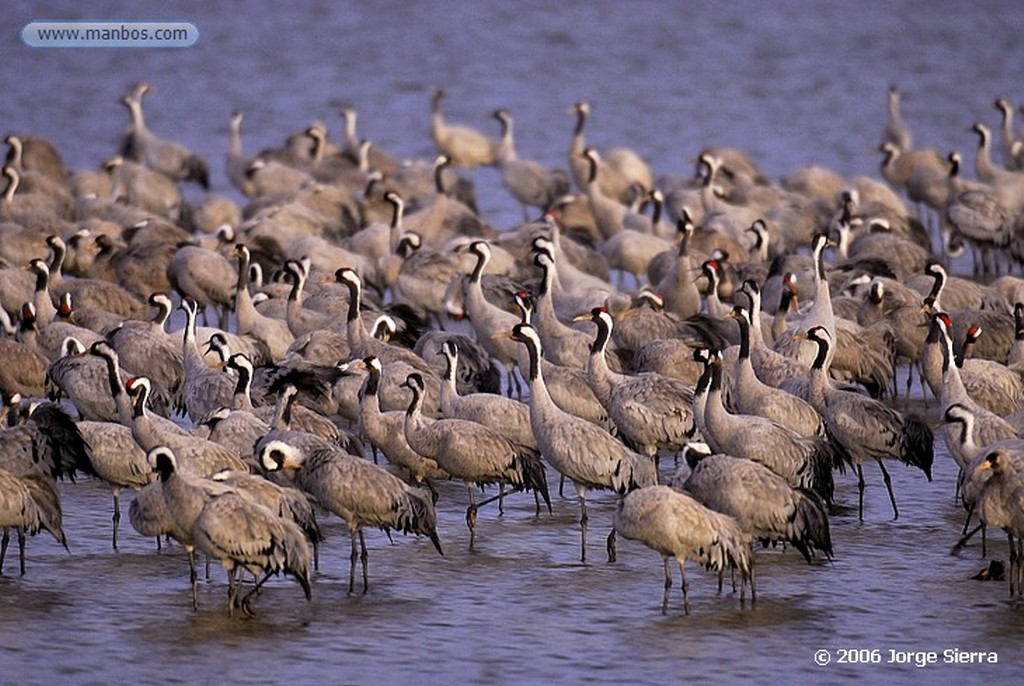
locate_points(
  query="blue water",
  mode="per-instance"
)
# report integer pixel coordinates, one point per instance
(792, 83)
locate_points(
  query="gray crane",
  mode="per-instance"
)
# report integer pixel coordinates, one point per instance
(243, 534)
(195, 456)
(490, 322)
(567, 386)
(749, 395)
(206, 276)
(472, 452)
(169, 158)
(576, 448)
(237, 426)
(802, 462)
(467, 147)
(762, 502)
(1001, 504)
(24, 368)
(867, 427)
(286, 502)
(385, 430)
(363, 344)
(205, 388)
(652, 412)
(358, 491)
(510, 418)
(678, 526)
(29, 503)
(529, 182)
(117, 459)
(273, 333)
(183, 498)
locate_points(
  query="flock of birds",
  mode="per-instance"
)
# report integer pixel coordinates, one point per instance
(649, 318)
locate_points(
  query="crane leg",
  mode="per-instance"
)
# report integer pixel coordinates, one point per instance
(434, 495)
(232, 592)
(1014, 563)
(193, 577)
(1020, 566)
(471, 515)
(963, 539)
(685, 584)
(967, 522)
(584, 517)
(4, 542)
(116, 519)
(352, 563)
(364, 557)
(21, 550)
(668, 585)
(610, 544)
(888, 487)
(860, 490)
(244, 604)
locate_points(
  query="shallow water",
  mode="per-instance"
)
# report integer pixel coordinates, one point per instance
(792, 83)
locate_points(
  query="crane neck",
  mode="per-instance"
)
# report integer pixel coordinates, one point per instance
(744, 325)
(481, 264)
(821, 356)
(243, 388)
(604, 332)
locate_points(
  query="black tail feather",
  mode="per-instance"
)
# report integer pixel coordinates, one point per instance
(917, 448)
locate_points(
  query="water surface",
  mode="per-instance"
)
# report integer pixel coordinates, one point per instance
(792, 83)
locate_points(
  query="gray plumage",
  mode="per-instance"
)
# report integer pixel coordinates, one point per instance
(677, 526)
(771, 367)
(803, 462)
(82, 377)
(169, 158)
(528, 181)
(205, 388)
(286, 502)
(358, 491)
(363, 345)
(510, 418)
(466, 146)
(987, 426)
(183, 498)
(749, 395)
(896, 131)
(652, 412)
(761, 501)
(242, 533)
(490, 322)
(194, 455)
(1001, 504)
(29, 503)
(576, 448)
(207, 276)
(385, 430)
(46, 441)
(567, 386)
(472, 452)
(474, 372)
(117, 459)
(866, 427)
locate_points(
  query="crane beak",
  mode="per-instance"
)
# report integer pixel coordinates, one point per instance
(349, 368)
(291, 462)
